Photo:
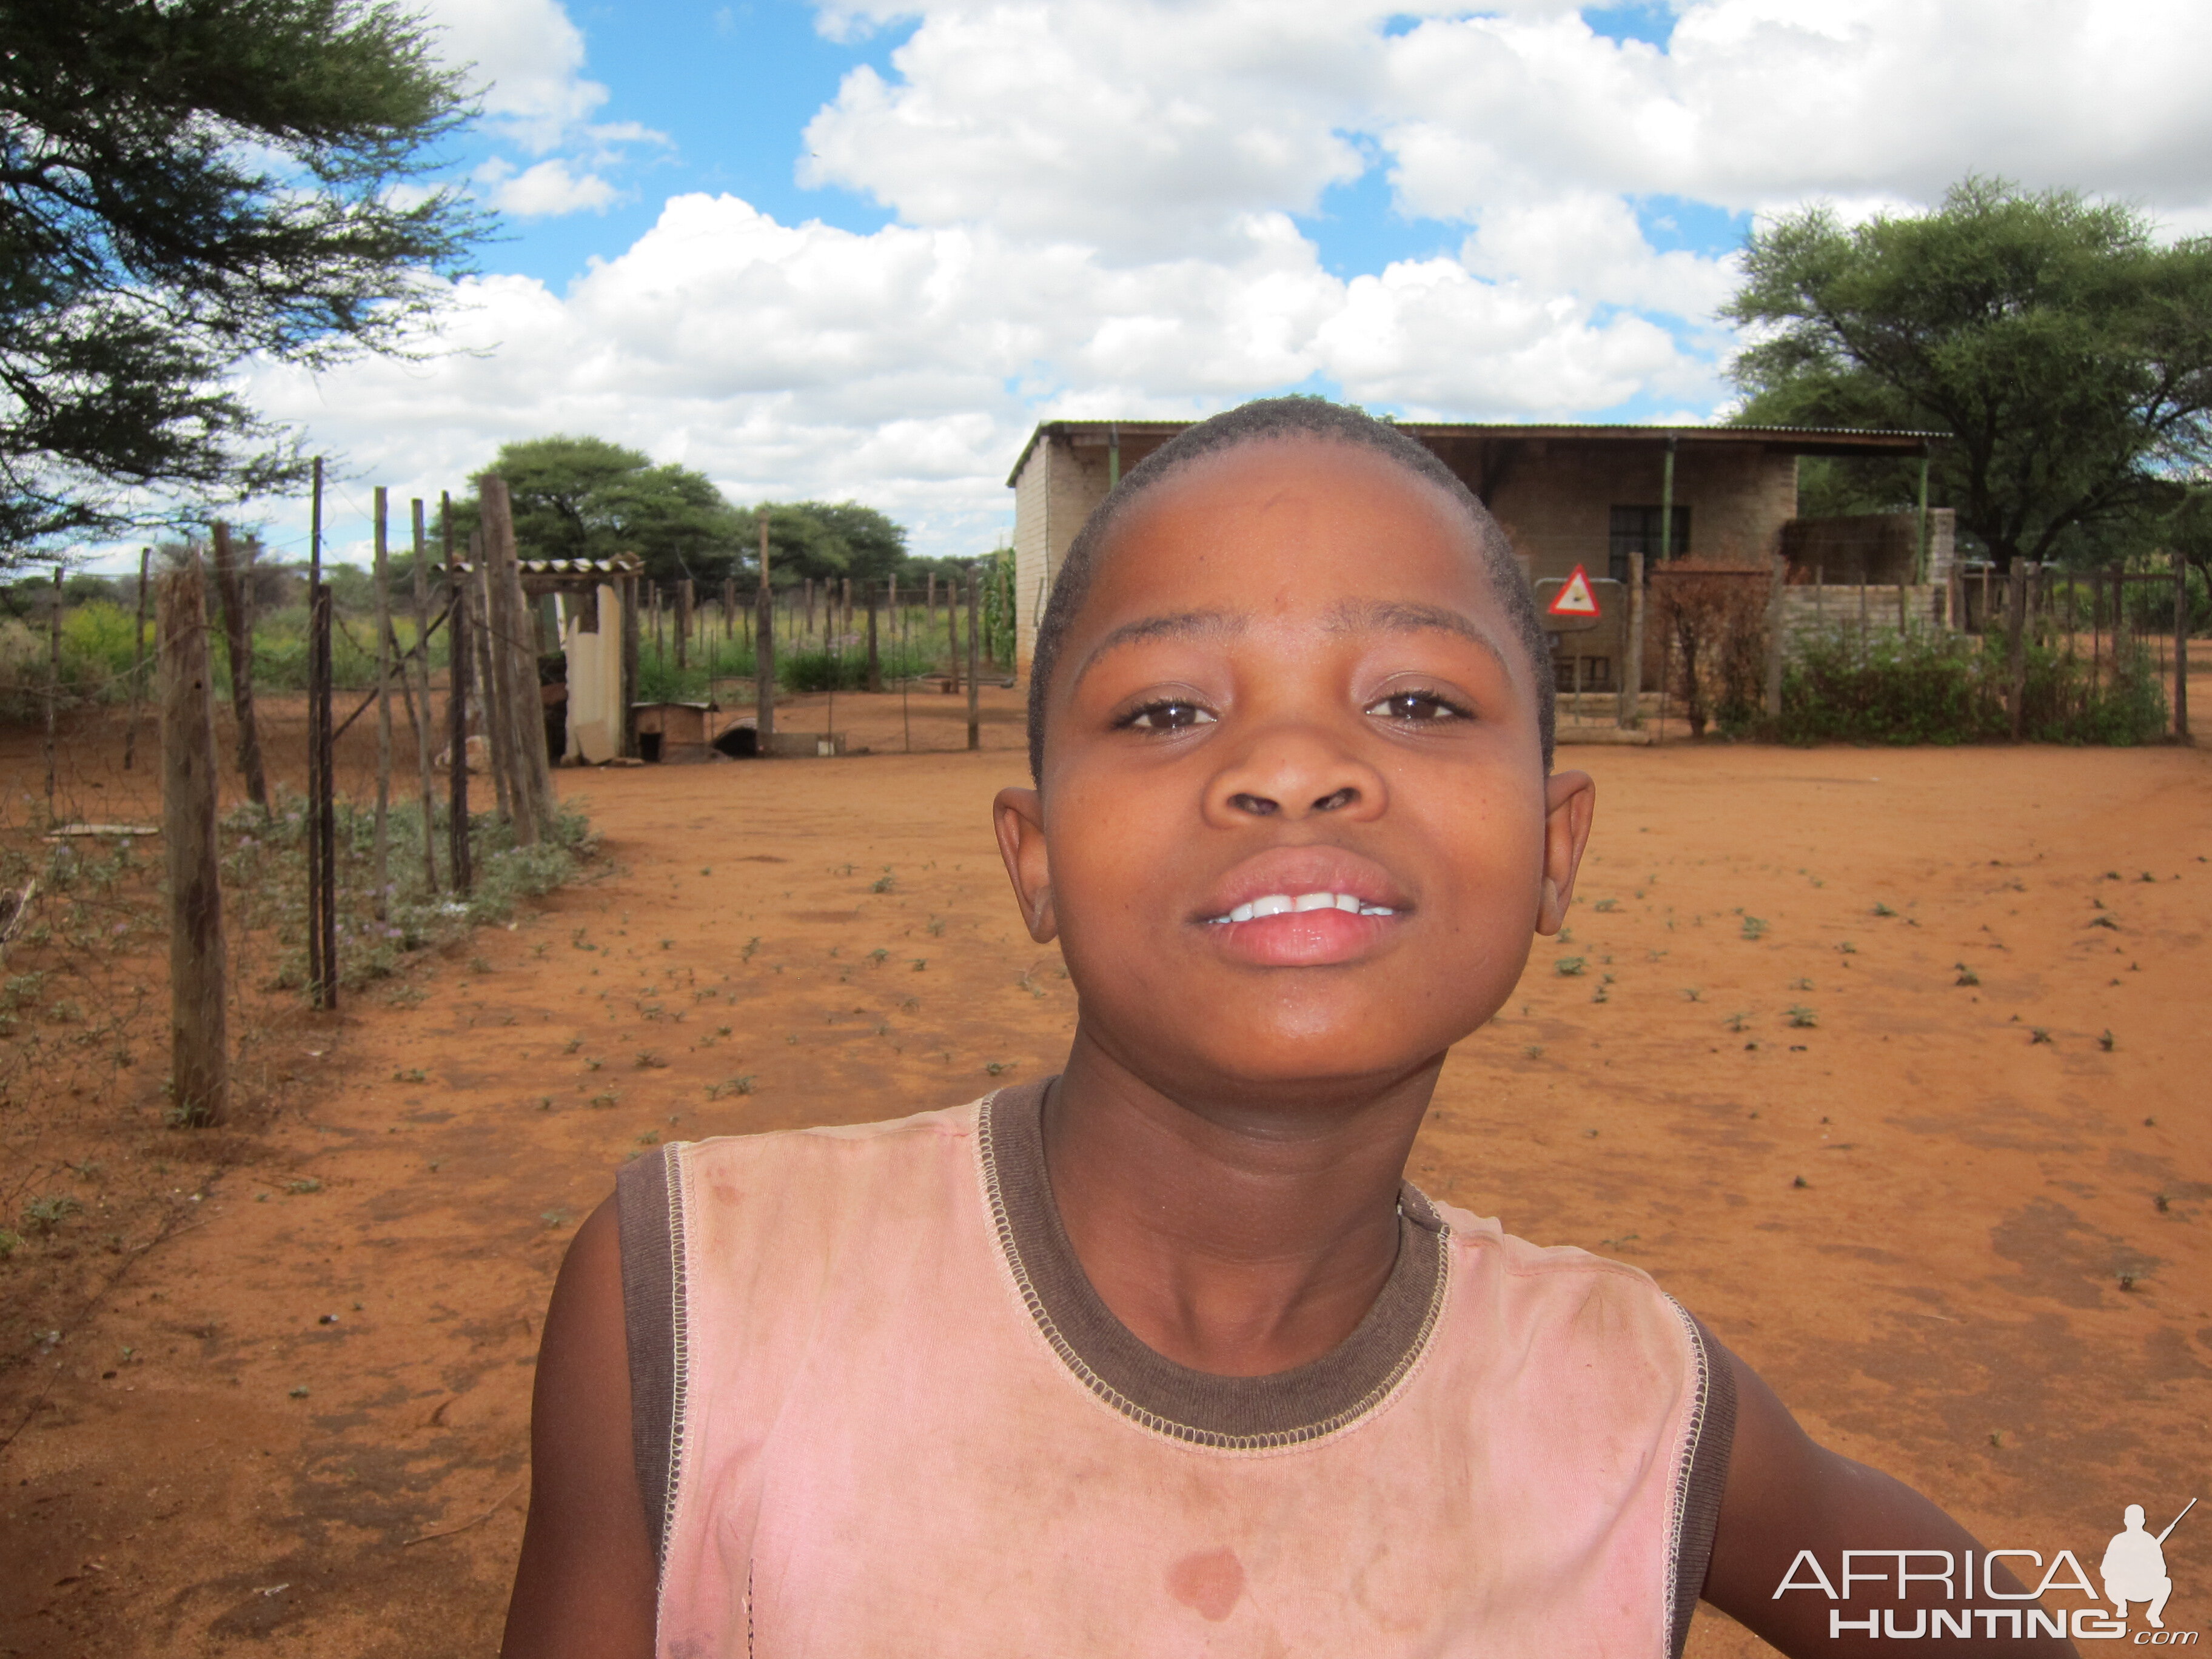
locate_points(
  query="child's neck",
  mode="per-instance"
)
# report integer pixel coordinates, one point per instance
(1239, 1240)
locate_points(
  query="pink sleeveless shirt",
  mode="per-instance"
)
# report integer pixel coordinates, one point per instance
(878, 1410)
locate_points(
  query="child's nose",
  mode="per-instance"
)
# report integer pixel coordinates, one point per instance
(1294, 776)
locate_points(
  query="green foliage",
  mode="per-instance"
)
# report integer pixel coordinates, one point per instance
(263, 864)
(1929, 687)
(185, 186)
(2065, 350)
(847, 670)
(998, 612)
(867, 545)
(585, 498)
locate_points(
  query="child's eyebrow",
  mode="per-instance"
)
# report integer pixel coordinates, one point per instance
(1182, 624)
(1400, 616)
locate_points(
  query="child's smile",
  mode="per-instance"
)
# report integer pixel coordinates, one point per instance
(1303, 907)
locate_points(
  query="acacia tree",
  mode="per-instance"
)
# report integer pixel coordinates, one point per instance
(585, 498)
(184, 186)
(2064, 352)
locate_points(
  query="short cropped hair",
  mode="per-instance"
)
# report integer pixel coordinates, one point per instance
(1257, 422)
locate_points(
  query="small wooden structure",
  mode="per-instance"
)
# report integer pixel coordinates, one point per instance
(672, 733)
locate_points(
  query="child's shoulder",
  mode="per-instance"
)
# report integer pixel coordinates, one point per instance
(1560, 1277)
(889, 1138)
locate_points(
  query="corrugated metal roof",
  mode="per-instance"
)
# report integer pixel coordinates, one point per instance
(1799, 440)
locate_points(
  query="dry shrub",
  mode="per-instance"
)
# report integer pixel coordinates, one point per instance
(1713, 613)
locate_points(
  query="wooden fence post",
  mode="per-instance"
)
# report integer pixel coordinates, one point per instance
(138, 663)
(199, 1059)
(683, 624)
(875, 678)
(53, 686)
(975, 715)
(2181, 647)
(421, 678)
(459, 642)
(2016, 644)
(381, 571)
(764, 652)
(238, 640)
(323, 816)
(530, 787)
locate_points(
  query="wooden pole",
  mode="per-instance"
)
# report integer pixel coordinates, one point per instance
(519, 707)
(459, 642)
(1667, 502)
(1631, 712)
(380, 559)
(199, 1061)
(906, 680)
(764, 650)
(2016, 646)
(875, 680)
(2181, 647)
(487, 686)
(422, 743)
(138, 663)
(683, 624)
(974, 713)
(238, 639)
(326, 815)
(313, 825)
(1777, 620)
(53, 686)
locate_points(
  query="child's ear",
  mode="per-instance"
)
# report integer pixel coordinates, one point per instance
(1018, 816)
(1570, 798)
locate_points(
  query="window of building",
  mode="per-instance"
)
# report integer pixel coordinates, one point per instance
(1636, 530)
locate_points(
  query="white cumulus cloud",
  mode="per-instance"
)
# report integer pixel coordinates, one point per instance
(1103, 209)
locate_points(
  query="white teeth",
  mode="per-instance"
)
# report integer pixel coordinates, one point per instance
(1277, 904)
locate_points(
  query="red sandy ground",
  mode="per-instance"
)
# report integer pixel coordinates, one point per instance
(1976, 1285)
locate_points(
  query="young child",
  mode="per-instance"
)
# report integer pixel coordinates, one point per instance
(1164, 1356)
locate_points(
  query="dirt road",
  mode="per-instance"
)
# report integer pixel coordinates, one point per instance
(1955, 1206)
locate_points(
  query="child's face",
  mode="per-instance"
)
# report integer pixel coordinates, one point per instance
(1292, 678)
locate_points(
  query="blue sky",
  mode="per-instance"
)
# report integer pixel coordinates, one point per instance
(859, 250)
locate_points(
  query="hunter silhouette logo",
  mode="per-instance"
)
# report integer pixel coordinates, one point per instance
(2133, 1570)
(2133, 1567)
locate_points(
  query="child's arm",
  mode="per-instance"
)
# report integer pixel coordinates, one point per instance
(585, 1588)
(1786, 1494)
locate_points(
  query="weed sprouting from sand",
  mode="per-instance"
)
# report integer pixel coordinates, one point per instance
(1568, 967)
(1753, 927)
(1737, 1022)
(2104, 1041)
(2037, 1034)
(1881, 909)
(1692, 994)
(1803, 1018)
(1967, 975)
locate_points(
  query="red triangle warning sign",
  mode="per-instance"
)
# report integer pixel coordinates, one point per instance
(1576, 598)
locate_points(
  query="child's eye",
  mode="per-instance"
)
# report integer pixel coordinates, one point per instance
(1418, 705)
(1171, 716)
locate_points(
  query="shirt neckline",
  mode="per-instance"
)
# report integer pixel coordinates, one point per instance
(1233, 1412)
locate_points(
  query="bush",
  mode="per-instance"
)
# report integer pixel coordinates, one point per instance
(1930, 687)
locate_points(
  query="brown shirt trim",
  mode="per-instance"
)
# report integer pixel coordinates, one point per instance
(1233, 1412)
(651, 1226)
(1702, 1480)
